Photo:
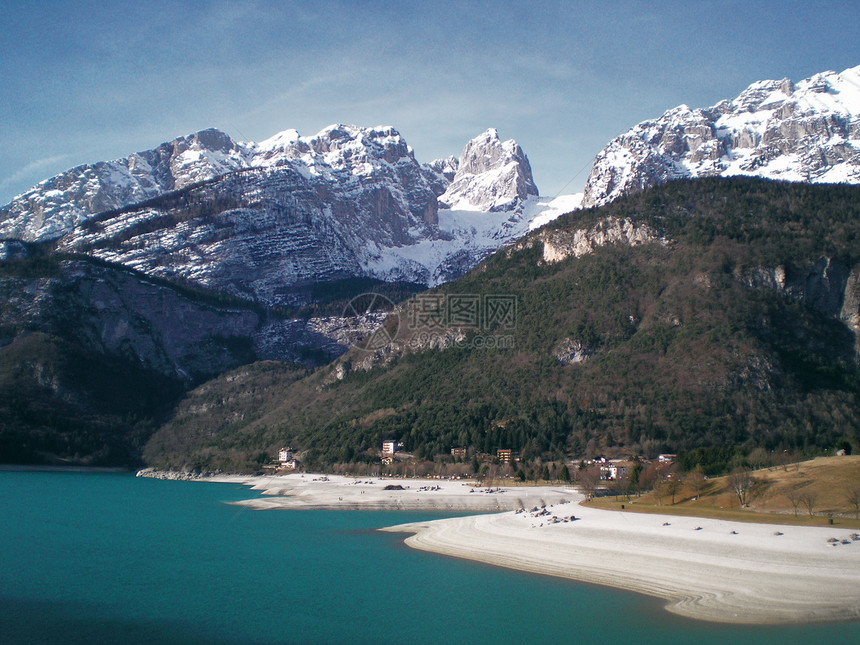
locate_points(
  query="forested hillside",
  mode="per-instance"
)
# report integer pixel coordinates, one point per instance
(729, 328)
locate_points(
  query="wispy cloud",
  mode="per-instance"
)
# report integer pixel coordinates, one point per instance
(33, 169)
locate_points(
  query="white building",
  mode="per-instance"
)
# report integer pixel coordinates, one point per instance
(389, 447)
(614, 469)
(285, 456)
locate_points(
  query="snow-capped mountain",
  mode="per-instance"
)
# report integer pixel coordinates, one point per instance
(55, 206)
(807, 131)
(490, 175)
(347, 157)
(264, 220)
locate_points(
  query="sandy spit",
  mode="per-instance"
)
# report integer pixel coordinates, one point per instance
(710, 570)
(334, 492)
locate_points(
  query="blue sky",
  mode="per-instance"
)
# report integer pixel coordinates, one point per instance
(86, 81)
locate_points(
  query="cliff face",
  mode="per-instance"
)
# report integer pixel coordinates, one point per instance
(181, 334)
(828, 286)
(560, 244)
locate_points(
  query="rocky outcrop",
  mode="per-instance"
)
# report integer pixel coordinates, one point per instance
(491, 176)
(569, 352)
(808, 131)
(440, 173)
(562, 243)
(850, 312)
(823, 286)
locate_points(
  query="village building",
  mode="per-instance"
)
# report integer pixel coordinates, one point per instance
(389, 448)
(614, 469)
(458, 453)
(285, 456)
(504, 455)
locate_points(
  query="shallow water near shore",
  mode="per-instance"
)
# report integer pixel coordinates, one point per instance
(96, 557)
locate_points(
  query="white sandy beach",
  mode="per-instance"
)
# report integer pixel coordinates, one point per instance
(759, 574)
(705, 569)
(335, 492)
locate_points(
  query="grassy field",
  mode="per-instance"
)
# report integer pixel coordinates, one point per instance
(811, 493)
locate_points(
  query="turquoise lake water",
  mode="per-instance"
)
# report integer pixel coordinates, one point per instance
(109, 558)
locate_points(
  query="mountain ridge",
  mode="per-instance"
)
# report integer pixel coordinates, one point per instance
(806, 131)
(260, 220)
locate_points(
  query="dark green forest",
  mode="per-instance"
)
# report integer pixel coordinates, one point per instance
(690, 346)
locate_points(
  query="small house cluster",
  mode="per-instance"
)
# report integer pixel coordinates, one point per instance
(502, 456)
(615, 469)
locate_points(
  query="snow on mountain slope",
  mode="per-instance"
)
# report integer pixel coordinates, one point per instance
(263, 220)
(543, 210)
(55, 206)
(808, 131)
(346, 156)
(470, 236)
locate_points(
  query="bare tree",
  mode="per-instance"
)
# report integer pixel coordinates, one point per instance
(782, 459)
(741, 482)
(659, 491)
(794, 498)
(673, 484)
(589, 479)
(647, 479)
(696, 480)
(852, 495)
(758, 458)
(808, 499)
(492, 475)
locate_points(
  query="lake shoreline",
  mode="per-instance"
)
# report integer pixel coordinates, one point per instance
(706, 569)
(307, 491)
(710, 570)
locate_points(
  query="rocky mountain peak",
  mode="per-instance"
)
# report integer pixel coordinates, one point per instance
(211, 139)
(259, 220)
(446, 167)
(806, 131)
(491, 175)
(55, 206)
(347, 142)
